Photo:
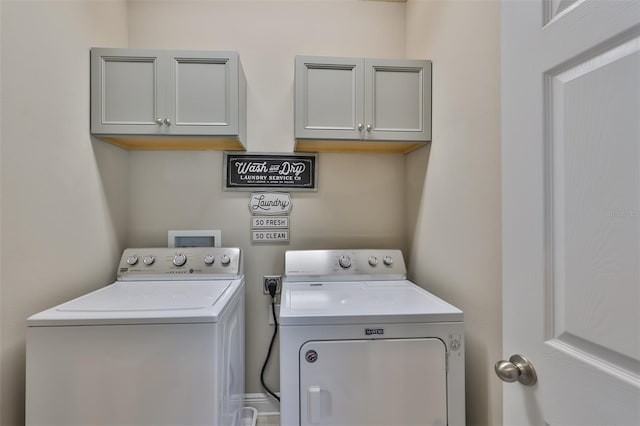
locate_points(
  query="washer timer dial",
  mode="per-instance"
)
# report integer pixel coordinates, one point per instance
(344, 261)
(179, 259)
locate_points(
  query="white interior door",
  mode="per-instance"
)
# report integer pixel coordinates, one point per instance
(571, 209)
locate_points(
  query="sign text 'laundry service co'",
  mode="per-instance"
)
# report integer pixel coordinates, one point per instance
(286, 172)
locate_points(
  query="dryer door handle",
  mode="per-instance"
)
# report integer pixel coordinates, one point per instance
(314, 404)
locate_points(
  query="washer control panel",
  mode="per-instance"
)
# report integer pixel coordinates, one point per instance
(186, 263)
(335, 265)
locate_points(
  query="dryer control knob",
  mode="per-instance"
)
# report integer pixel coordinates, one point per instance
(373, 261)
(132, 260)
(148, 260)
(225, 260)
(388, 260)
(179, 259)
(209, 259)
(344, 261)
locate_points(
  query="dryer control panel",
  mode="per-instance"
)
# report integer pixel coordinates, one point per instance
(344, 265)
(186, 263)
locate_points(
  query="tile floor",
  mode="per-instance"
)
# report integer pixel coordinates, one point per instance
(268, 420)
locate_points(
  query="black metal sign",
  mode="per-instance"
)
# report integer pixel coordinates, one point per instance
(283, 172)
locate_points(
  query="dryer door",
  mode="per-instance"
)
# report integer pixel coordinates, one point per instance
(373, 382)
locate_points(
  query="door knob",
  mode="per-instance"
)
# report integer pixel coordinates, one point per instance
(517, 368)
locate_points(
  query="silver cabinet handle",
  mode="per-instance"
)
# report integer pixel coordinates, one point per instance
(368, 127)
(360, 126)
(167, 122)
(159, 121)
(517, 368)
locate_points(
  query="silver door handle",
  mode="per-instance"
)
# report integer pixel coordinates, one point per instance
(360, 126)
(368, 127)
(159, 121)
(517, 368)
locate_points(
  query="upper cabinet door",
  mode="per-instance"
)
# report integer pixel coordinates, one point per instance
(203, 95)
(126, 93)
(398, 100)
(329, 94)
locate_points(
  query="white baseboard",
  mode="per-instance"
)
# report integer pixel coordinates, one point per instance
(262, 402)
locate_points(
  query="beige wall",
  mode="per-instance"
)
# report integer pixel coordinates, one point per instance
(62, 206)
(453, 191)
(64, 192)
(360, 198)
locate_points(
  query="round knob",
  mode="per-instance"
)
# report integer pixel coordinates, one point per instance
(360, 126)
(148, 260)
(344, 261)
(517, 368)
(209, 259)
(132, 260)
(388, 260)
(167, 122)
(368, 127)
(159, 121)
(225, 260)
(179, 259)
(373, 261)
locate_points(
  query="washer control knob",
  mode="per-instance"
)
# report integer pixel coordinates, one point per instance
(209, 259)
(225, 260)
(179, 259)
(373, 261)
(132, 260)
(148, 260)
(344, 261)
(388, 260)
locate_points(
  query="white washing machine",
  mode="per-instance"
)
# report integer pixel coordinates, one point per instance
(163, 345)
(362, 345)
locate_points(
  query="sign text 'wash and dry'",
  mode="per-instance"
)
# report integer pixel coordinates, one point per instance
(290, 172)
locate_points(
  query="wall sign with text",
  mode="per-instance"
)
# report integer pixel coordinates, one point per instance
(270, 217)
(285, 172)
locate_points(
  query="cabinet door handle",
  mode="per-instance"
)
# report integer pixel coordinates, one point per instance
(368, 127)
(159, 121)
(360, 126)
(167, 122)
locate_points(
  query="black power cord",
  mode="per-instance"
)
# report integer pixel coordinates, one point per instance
(272, 286)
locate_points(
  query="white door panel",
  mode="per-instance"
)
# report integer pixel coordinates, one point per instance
(373, 382)
(571, 209)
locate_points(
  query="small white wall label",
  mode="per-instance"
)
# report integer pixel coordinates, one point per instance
(263, 222)
(270, 203)
(270, 236)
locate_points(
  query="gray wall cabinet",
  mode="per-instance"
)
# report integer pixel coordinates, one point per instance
(168, 99)
(361, 104)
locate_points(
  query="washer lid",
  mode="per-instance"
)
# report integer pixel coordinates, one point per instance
(148, 296)
(314, 303)
(144, 301)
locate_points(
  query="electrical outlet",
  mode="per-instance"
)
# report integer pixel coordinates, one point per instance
(269, 279)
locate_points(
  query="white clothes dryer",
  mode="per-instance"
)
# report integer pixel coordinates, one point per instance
(362, 345)
(163, 345)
